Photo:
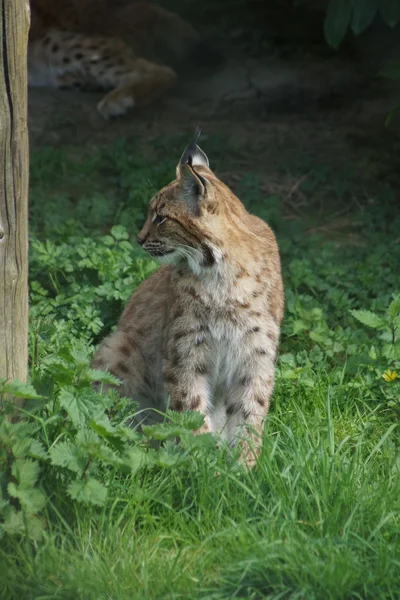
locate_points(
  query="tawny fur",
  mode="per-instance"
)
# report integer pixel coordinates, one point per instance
(127, 48)
(203, 330)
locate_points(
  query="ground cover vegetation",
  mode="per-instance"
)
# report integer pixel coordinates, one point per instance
(89, 509)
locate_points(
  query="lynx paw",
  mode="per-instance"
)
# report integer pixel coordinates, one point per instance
(249, 452)
(115, 105)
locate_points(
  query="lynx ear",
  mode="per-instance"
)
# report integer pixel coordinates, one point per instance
(193, 155)
(193, 185)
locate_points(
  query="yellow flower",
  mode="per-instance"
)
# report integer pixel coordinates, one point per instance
(389, 375)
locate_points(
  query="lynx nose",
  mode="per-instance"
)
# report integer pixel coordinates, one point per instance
(141, 238)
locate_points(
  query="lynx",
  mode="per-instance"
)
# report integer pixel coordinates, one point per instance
(203, 330)
(105, 45)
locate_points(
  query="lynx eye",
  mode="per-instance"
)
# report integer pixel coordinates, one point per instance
(158, 220)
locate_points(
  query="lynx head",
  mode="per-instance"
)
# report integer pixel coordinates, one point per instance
(186, 221)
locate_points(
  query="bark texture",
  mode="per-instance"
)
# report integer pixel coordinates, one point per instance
(14, 175)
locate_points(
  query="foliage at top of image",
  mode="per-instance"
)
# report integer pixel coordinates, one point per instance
(343, 16)
(90, 509)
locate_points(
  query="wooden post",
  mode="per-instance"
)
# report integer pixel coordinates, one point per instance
(14, 175)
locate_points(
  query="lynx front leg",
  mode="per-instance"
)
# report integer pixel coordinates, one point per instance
(189, 391)
(186, 376)
(252, 409)
(248, 405)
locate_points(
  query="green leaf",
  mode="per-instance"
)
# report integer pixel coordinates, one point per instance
(394, 308)
(188, 419)
(15, 524)
(103, 377)
(167, 460)
(392, 351)
(105, 430)
(21, 447)
(337, 21)
(119, 232)
(298, 326)
(177, 423)
(368, 318)
(139, 458)
(31, 500)
(390, 12)
(66, 454)
(207, 441)
(316, 355)
(94, 447)
(318, 337)
(21, 390)
(37, 450)
(79, 353)
(364, 12)
(287, 359)
(81, 405)
(25, 472)
(90, 491)
(163, 431)
(103, 427)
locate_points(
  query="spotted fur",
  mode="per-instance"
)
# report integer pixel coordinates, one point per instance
(204, 329)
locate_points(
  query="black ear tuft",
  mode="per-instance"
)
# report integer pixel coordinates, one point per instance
(193, 155)
(197, 134)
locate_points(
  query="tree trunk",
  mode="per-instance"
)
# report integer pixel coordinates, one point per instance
(14, 174)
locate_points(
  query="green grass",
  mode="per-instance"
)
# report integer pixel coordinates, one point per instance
(102, 516)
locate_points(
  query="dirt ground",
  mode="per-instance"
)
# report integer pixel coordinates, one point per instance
(279, 115)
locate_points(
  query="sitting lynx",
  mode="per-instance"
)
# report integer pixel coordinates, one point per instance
(204, 328)
(103, 44)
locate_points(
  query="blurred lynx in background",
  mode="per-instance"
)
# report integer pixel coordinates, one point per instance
(129, 49)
